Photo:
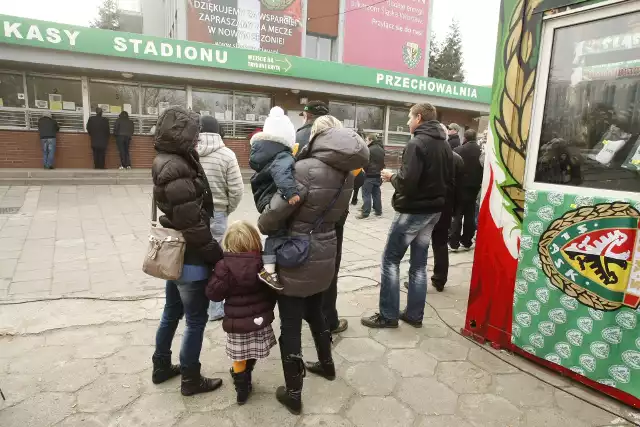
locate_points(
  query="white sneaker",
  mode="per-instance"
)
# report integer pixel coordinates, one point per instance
(121, 168)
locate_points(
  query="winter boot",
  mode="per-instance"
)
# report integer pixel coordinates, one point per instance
(163, 370)
(291, 395)
(324, 367)
(242, 382)
(251, 363)
(194, 383)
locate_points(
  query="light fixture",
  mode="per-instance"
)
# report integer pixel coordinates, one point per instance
(295, 91)
(127, 75)
(304, 101)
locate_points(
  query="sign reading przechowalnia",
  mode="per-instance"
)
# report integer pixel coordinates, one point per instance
(266, 25)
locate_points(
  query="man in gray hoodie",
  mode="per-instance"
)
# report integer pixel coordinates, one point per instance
(225, 179)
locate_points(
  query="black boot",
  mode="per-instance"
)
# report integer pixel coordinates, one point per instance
(194, 383)
(291, 395)
(325, 367)
(163, 370)
(242, 382)
(251, 363)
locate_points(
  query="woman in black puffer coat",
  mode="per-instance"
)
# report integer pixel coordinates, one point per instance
(182, 193)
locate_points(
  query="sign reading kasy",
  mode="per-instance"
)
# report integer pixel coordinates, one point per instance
(267, 25)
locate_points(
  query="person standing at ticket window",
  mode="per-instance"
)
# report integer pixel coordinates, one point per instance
(99, 132)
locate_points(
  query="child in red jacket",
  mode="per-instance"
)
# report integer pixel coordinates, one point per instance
(248, 307)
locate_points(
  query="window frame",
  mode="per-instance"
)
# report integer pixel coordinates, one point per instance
(333, 50)
(550, 25)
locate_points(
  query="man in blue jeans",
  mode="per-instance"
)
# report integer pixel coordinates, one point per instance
(371, 188)
(419, 198)
(48, 128)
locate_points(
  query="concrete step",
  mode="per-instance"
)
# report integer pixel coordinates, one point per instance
(82, 177)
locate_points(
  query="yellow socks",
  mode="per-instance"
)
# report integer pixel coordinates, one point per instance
(239, 366)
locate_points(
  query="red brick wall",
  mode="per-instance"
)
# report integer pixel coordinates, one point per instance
(21, 149)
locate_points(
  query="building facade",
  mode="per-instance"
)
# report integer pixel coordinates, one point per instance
(232, 59)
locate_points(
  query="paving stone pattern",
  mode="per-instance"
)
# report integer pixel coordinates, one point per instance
(87, 362)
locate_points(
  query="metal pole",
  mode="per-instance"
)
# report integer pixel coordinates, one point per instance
(154, 210)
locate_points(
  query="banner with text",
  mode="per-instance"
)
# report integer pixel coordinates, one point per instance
(267, 25)
(399, 28)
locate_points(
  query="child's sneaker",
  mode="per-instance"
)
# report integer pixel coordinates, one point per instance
(270, 279)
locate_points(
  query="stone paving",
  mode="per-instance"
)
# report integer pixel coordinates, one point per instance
(82, 356)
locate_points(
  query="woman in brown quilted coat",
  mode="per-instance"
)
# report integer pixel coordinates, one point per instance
(325, 184)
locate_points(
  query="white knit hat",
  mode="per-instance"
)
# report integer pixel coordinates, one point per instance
(279, 125)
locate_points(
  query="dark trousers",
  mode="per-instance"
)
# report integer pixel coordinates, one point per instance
(123, 143)
(439, 240)
(371, 195)
(99, 155)
(330, 296)
(464, 224)
(292, 311)
(358, 182)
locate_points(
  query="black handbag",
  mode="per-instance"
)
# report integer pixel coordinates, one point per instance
(295, 250)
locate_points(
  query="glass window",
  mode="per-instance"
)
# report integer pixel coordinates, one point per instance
(54, 94)
(114, 97)
(398, 120)
(591, 120)
(218, 104)
(156, 99)
(344, 112)
(12, 91)
(252, 108)
(369, 117)
(322, 48)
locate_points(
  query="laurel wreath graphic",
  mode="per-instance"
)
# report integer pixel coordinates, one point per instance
(516, 100)
(585, 296)
(277, 4)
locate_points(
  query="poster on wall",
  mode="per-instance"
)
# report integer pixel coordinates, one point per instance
(266, 25)
(398, 28)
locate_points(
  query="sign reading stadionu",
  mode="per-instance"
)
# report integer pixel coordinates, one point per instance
(49, 35)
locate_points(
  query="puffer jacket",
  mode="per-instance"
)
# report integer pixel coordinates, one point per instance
(427, 169)
(180, 186)
(322, 172)
(248, 303)
(223, 172)
(376, 159)
(273, 162)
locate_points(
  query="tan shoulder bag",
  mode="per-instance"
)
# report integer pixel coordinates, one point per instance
(165, 254)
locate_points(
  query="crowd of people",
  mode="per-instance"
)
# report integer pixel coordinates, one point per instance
(303, 183)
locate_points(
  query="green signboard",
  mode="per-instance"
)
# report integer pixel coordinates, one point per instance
(50, 35)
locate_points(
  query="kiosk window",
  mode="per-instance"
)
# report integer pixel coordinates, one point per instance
(114, 98)
(218, 104)
(252, 108)
(55, 94)
(370, 117)
(398, 132)
(344, 112)
(590, 135)
(12, 91)
(157, 99)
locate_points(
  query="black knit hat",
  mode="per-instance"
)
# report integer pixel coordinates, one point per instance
(317, 108)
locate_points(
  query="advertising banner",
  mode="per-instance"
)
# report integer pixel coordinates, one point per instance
(266, 25)
(390, 35)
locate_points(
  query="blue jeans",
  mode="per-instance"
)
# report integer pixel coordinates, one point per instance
(188, 299)
(407, 230)
(371, 190)
(48, 151)
(218, 227)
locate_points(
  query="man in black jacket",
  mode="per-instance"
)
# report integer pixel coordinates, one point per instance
(98, 129)
(373, 181)
(469, 188)
(312, 111)
(48, 128)
(420, 196)
(123, 130)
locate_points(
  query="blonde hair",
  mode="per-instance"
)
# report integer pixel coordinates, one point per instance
(323, 123)
(242, 237)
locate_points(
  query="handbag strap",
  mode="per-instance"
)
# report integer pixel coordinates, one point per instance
(320, 219)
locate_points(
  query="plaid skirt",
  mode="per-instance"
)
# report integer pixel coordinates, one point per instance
(254, 345)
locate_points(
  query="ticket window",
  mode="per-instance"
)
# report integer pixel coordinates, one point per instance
(586, 125)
